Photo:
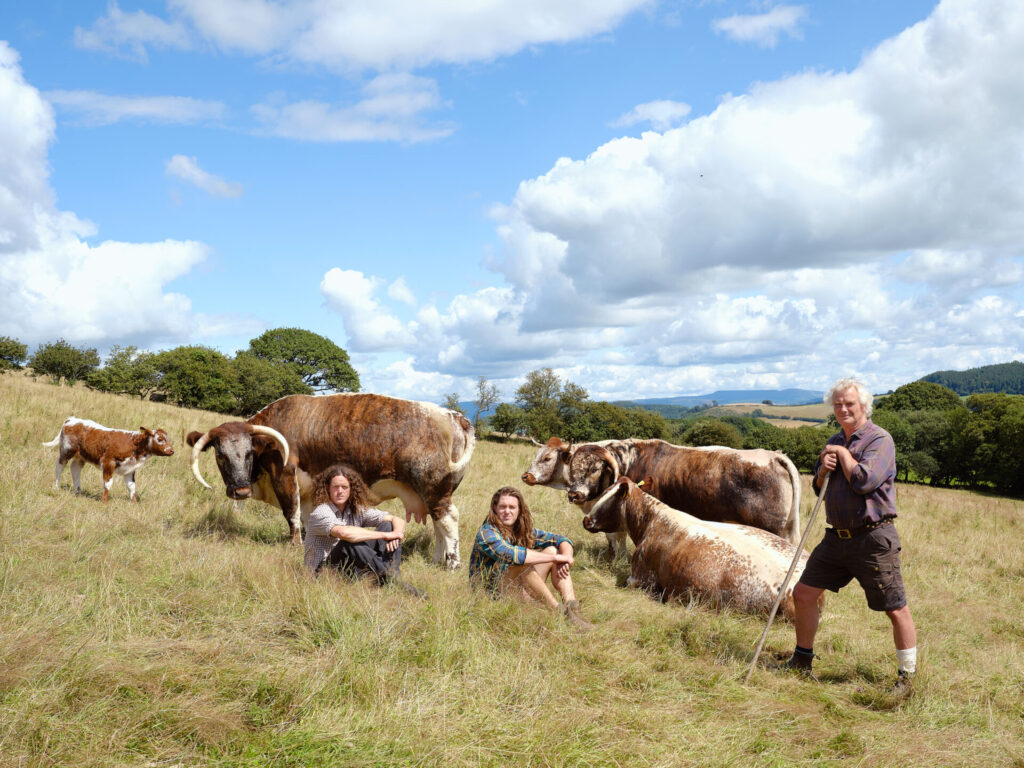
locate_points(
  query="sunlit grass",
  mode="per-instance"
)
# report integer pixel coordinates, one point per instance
(179, 631)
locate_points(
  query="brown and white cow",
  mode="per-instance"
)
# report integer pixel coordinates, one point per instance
(754, 487)
(681, 557)
(417, 452)
(114, 451)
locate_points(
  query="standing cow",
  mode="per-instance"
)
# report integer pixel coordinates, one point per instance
(681, 557)
(114, 451)
(754, 487)
(417, 452)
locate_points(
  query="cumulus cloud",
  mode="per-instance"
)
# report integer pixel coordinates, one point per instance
(661, 114)
(393, 108)
(369, 326)
(819, 224)
(354, 36)
(93, 108)
(187, 169)
(764, 29)
(52, 281)
(400, 291)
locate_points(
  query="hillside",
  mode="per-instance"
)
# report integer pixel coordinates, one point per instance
(1003, 377)
(180, 632)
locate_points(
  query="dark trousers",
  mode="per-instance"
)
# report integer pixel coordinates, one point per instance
(355, 559)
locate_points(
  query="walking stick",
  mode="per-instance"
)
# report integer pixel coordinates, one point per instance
(785, 581)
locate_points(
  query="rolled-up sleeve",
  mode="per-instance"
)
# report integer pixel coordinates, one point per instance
(495, 547)
(546, 539)
(875, 465)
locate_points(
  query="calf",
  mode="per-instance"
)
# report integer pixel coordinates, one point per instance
(683, 557)
(114, 451)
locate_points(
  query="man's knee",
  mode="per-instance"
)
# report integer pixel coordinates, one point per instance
(804, 595)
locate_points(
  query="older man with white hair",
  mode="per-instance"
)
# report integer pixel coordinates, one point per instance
(861, 542)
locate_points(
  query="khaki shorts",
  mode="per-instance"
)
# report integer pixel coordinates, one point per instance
(873, 558)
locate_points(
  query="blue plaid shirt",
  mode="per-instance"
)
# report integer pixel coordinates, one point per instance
(492, 553)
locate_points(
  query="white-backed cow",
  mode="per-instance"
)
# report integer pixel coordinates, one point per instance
(681, 557)
(753, 487)
(417, 452)
(114, 451)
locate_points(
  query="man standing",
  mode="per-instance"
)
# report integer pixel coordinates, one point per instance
(862, 543)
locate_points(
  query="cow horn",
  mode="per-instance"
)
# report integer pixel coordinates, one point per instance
(200, 444)
(536, 442)
(259, 429)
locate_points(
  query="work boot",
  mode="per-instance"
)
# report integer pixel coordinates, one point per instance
(573, 615)
(800, 663)
(904, 684)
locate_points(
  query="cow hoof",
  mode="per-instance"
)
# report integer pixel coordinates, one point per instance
(297, 539)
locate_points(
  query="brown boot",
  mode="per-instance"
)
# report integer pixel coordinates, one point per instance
(573, 614)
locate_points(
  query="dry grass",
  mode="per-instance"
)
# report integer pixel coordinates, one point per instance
(812, 411)
(177, 632)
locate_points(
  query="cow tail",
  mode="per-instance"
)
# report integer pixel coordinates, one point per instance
(793, 523)
(53, 443)
(462, 450)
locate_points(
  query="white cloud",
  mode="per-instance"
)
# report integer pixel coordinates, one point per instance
(764, 29)
(187, 169)
(661, 114)
(392, 109)
(400, 291)
(380, 35)
(128, 34)
(105, 109)
(52, 282)
(370, 328)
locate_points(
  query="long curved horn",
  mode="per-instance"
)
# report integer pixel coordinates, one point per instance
(610, 458)
(535, 442)
(259, 429)
(200, 444)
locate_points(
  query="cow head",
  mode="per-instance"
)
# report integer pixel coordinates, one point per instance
(157, 442)
(236, 445)
(592, 468)
(606, 514)
(550, 465)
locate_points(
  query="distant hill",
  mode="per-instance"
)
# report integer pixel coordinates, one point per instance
(1002, 377)
(726, 396)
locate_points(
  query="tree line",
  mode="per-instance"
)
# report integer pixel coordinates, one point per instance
(282, 361)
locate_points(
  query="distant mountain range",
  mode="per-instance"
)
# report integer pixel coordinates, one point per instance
(727, 396)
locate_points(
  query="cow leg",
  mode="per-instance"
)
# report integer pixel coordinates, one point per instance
(286, 488)
(446, 539)
(76, 474)
(640, 576)
(108, 479)
(129, 483)
(60, 471)
(617, 544)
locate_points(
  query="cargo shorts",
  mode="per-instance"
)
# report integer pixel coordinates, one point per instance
(873, 558)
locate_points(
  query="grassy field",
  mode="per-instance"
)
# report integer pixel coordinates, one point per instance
(812, 411)
(178, 632)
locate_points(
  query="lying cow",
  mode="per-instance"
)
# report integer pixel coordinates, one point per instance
(114, 451)
(754, 487)
(417, 452)
(681, 557)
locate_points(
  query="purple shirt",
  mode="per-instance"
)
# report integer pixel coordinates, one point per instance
(869, 496)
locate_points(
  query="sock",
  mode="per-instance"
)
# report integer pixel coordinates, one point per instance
(804, 651)
(906, 661)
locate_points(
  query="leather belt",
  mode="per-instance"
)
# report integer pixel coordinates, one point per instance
(849, 533)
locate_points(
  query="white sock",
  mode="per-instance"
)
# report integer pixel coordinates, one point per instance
(906, 661)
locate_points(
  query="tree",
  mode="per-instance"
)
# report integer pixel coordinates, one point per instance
(321, 363)
(198, 377)
(902, 436)
(64, 362)
(486, 396)
(540, 390)
(260, 382)
(920, 396)
(713, 432)
(126, 371)
(508, 419)
(12, 354)
(451, 402)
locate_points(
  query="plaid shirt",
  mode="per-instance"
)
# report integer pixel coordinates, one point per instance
(492, 553)
(319, 542)
(869, 496)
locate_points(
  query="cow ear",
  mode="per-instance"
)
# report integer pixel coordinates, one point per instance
(647, 485)
(263, 445)
(193, 437)
(145, 431)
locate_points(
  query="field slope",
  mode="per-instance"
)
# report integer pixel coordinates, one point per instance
(178, 632)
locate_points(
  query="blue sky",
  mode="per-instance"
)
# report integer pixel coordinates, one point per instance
(653, 198)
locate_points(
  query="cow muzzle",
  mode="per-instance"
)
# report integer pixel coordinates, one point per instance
(529, 479)
(244, 492)
(589, 525)
(576, 497)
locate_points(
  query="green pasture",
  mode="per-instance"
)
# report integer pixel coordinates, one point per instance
(180, 632)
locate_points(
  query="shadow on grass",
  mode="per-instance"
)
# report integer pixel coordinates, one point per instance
(223, 523)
